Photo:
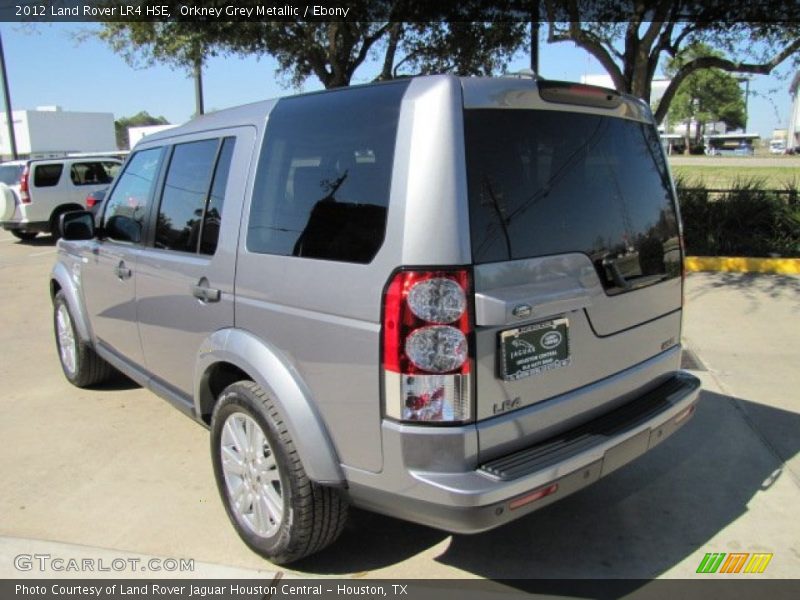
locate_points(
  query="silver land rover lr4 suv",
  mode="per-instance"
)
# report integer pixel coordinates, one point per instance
(452, 301)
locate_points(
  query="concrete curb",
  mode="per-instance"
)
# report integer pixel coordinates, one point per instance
(740, 264)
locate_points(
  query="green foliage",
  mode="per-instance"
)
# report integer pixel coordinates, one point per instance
(140, 119)
(707, 95)
(631, 38)
(176, 43)
(747, 220)
(330, 51)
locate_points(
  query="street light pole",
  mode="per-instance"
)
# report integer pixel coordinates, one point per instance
(7, 98)
(746, 80)
(746, 100)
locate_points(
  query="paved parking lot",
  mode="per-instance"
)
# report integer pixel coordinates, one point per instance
(117, 472)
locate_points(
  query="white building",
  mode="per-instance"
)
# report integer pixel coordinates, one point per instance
(137, 133)
(51, 131)
(793, 137)
(657, 86)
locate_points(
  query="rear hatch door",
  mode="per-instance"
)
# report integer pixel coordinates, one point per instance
(575, 241)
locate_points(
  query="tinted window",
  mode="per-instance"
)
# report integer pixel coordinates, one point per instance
(552, 182)
(184, 197)
(93, 173)
(47, 175)
(322, 188)
(213, 216)
(10, 174)
(126, 209)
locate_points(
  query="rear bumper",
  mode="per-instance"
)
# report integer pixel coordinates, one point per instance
(496, 492)
(26, 226)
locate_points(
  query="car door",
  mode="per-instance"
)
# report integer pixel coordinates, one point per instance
(184, 290)
(108, 275)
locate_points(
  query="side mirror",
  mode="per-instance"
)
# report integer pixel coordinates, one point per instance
(77, 225)
(123, 229)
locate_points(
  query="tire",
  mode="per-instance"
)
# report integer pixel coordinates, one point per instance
(25, 236)
(278, 512)
(54, 232)
(81, 365)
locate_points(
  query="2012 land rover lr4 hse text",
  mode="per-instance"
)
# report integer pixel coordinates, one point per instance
(452, 301)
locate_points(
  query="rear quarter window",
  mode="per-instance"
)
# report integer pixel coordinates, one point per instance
(322, 188)
(93, 173)
(47, 175)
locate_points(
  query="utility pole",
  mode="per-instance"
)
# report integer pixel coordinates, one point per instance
(198, 86)
(7, 98)
(535, 37)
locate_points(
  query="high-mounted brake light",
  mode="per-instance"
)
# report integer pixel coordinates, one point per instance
(426, 355)
(579, 94)
(24, 194)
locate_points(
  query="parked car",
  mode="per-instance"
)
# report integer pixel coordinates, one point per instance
(94, 200)
(45, 189)
(453, 301)
(777, 146)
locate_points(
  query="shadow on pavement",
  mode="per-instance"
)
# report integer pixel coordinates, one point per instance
(40, 241)
(371, 541)
(633, 525)
(749, 284)
(117, 383)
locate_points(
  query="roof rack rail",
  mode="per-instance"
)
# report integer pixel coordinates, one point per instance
(529, 73)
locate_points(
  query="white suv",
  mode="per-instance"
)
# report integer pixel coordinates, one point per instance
(34, 193)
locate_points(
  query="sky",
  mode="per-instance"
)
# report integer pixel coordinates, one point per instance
(47, 65)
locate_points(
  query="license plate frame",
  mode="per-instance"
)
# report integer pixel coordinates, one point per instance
(533, 349)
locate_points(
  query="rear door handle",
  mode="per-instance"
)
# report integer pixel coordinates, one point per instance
(122, 271)
(202, 292)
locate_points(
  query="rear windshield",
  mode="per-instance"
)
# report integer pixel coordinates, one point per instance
(10, 174)
(552, 182)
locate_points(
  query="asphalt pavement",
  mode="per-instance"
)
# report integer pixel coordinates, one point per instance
(116, 472)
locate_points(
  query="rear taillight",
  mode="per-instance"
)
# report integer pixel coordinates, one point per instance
(24, 194)
(426, 347)
(90, 201)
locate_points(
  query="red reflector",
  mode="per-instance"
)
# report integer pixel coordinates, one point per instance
(90, 201)
(533, 496)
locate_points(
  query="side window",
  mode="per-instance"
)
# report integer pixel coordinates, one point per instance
(126, 210)
(47, 175)
(213, 216)
(93, 173)
(322, 188)
(183, 199)
(111, 168)
(191, 203)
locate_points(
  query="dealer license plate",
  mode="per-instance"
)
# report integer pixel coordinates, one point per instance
(535, 348)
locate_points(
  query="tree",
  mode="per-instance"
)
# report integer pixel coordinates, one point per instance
(140, 119)
(706, 96)
(754, 37)
(330, 51)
